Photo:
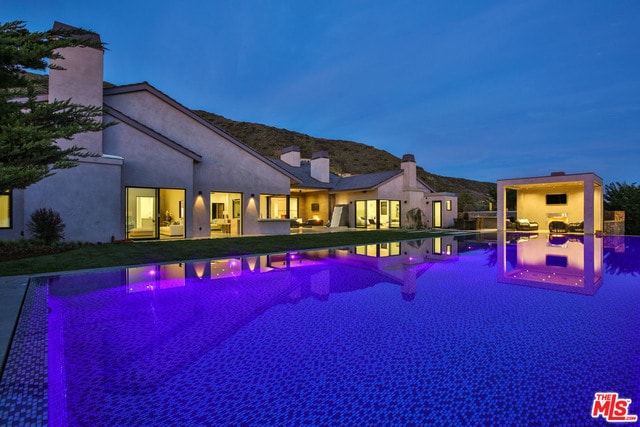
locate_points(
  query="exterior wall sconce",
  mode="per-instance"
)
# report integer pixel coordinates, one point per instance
(200, 193)
(252, 195)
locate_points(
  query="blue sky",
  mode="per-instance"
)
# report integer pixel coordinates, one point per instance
(474, 89)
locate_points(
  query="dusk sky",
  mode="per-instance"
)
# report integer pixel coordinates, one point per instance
(474, 89)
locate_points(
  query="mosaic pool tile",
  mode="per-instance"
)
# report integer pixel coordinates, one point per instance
(24, 380)
(315, 340)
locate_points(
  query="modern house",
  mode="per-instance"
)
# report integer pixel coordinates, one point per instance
(161, 171)
(557, 203)
(388, 199)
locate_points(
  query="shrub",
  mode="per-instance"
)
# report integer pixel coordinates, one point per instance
(46, 225)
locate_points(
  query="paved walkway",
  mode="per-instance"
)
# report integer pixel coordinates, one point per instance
(12, 290)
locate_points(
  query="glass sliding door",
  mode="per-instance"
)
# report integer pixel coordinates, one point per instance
(153, 213)
(384, 213)
(142, 213)
(172, 213)
(437, 214)
(389, 213)
(372, 214)
(361, 214)
(377, 213)
(226, 214)
(394, 213)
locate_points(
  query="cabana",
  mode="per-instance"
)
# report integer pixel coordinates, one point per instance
(559, 203)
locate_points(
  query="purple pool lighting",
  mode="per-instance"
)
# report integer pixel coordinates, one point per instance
(522, 329)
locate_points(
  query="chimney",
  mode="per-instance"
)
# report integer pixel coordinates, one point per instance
(291, 156)
(408, 165)
(81, 81)
(320, 166)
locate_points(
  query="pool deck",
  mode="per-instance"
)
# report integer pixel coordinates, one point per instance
(12, 291)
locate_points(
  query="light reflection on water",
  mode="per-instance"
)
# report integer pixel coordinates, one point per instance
(427, 331)
(570, 263)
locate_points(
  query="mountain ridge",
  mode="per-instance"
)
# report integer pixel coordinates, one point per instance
(346, 157)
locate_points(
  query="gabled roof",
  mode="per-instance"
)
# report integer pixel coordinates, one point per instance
(146, 87)
(336, 183)
(303, 175)
(367, 181)
(121, 117)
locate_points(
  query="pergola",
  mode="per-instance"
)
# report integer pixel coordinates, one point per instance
(556, 199)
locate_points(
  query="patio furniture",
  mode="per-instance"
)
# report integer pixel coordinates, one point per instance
(525, 225)
(558, 227)
(576, 227)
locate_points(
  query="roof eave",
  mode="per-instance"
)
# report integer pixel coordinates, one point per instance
(145, 86)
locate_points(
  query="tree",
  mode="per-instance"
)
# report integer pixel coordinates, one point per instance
(624, 197)
(28, 128)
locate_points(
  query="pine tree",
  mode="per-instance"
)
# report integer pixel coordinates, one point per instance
(29, 128)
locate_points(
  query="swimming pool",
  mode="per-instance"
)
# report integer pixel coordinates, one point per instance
(474, 330)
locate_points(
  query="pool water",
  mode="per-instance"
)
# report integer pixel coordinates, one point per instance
(474, 330)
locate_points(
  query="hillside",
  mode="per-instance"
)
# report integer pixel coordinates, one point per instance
(346, 156)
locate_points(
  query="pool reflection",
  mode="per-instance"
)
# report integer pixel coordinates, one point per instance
(317, 273)
(566, 263)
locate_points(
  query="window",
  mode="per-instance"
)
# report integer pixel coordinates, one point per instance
(5, 209)
(361, 214)
(556, 199)
(153, 213)
(226, 213)
(448, 204)
(275, 206)
(142, 213)
(394, 211)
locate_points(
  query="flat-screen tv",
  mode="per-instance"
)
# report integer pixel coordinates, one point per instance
(556, 199)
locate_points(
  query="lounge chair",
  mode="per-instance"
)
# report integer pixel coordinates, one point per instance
(526, 225)
(558, 227)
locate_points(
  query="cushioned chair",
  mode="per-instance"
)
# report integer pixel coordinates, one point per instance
(576, 227)
(526, 225)
(558, 227)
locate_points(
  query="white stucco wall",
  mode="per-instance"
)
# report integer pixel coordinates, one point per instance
(225, 167)
(150, 163)
(87, 198)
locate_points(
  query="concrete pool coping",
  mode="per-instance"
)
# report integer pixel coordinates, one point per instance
(12, 292)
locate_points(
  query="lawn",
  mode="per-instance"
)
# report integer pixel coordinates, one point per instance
(116, 254)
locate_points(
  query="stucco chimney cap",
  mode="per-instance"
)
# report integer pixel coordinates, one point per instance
(408, 158)
(290, 149)
(320, 155)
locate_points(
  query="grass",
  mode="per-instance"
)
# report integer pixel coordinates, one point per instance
(117, 254)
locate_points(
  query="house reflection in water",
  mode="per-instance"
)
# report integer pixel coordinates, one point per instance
(314, 274)
(566, 263)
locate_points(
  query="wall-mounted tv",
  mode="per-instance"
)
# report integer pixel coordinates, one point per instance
(556, 199)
